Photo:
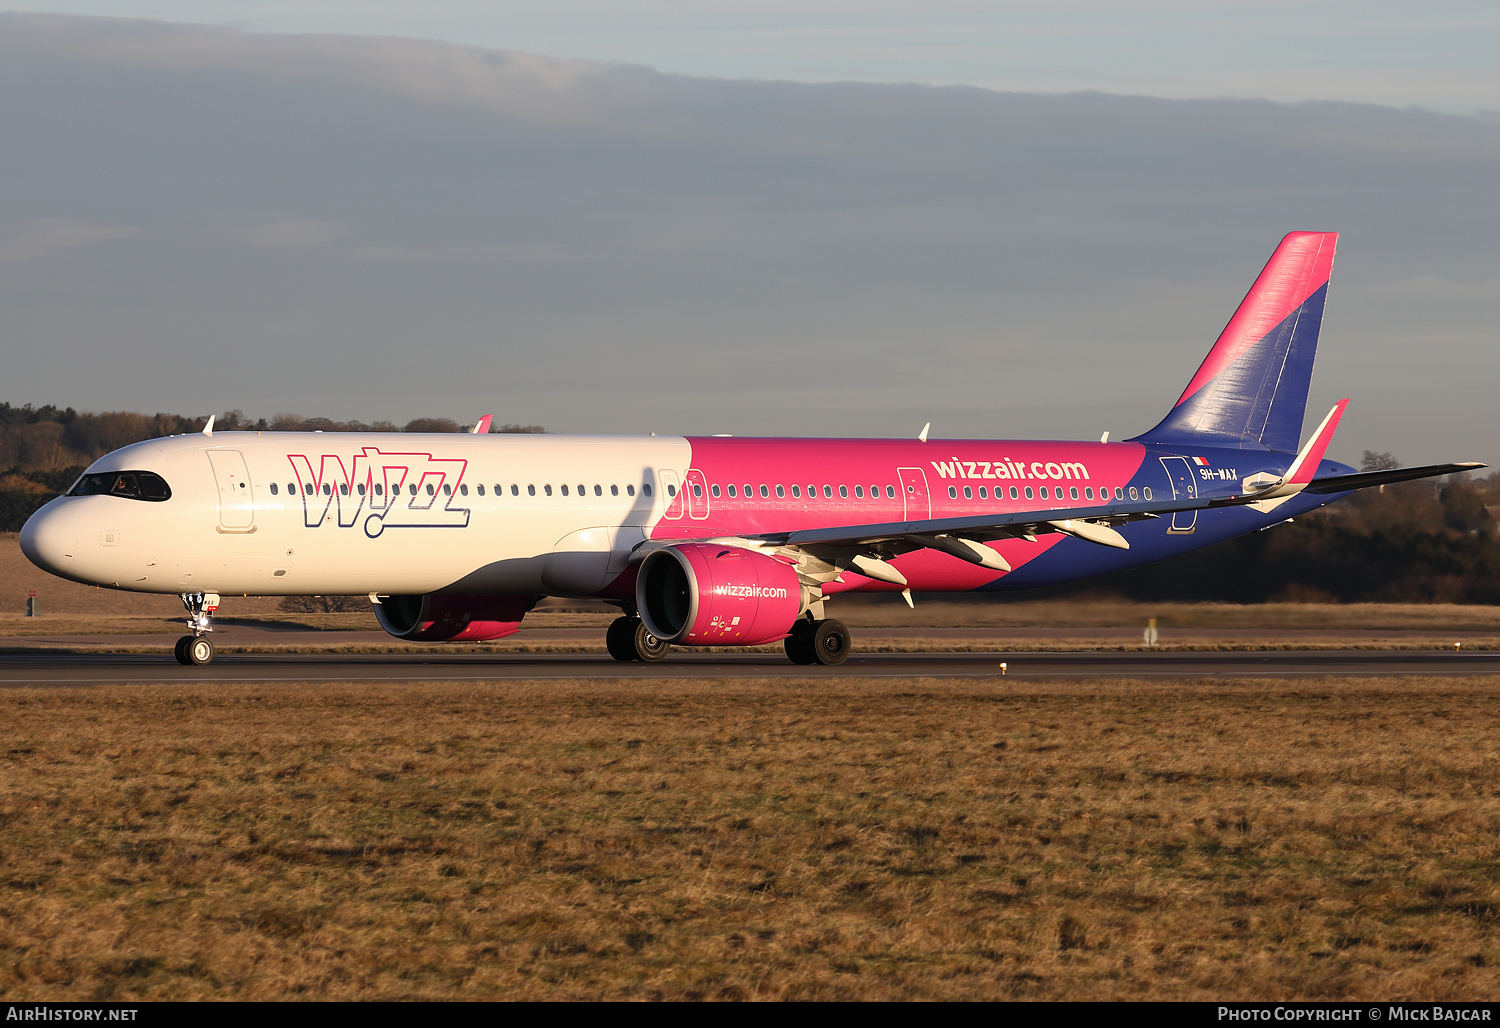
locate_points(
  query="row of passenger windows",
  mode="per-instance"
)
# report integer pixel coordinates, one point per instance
(812, 491)
(1057, 493)
(463, 490)
(733, 491)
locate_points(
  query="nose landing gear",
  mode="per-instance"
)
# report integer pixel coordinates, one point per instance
(197, 649)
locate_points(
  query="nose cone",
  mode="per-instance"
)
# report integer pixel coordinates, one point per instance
(50, 538)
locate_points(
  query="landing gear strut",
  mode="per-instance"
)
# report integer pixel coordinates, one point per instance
(196, 649)
(628, 639)
(818, 642)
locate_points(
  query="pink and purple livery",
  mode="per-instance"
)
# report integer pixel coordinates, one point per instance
(711, 541)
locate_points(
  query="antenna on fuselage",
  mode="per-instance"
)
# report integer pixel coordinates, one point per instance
(922, 435)
(208, 429)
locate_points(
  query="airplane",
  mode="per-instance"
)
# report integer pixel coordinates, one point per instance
(710, 541)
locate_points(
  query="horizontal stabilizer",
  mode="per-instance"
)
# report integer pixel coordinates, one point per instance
(1364, 480)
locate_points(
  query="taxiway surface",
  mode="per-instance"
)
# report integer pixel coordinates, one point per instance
(82, 670)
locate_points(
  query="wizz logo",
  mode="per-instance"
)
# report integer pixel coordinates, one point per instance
(381, 490)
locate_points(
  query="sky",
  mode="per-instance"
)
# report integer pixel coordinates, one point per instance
(1437, 54)
(725, 219)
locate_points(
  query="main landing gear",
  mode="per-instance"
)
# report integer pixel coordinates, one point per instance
(810, 641)
(628, 639)
(196, 649)
(818, 642)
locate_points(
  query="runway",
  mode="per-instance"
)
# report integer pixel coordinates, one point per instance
(75, 670)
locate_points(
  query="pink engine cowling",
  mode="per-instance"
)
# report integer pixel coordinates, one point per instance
(698, 594)
(439, 618)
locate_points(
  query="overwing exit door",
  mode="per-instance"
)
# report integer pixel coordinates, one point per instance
(914, 491)
(236, 497)
(1184, 487)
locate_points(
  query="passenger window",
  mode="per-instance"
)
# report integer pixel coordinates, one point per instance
(1028, 492)
(1119, 493)
(480, 490)
(1132, 492)
(1073, 492)
(645, 488)
(630, 490)
(1088, 492)
(697, 489)
(731, 491)
(715, 491)
(530, 490)
(614, 490)
(547, 489)
(343, 488)
(843, 492)
(968, 493)
(1012, 492)
(273, 488)
(413, 488)
(582, 491)
(1043, 491)
(983, 492)
(749, 492)
(890, 492)
(463, 490)
(379, 489)
(1146, 491)
(447, 489)
(360, 487)
(780, 493)
(764, 492)
(797, 491)
(671, 489)
(327, 489)
(564, 489)
(953, 492)
(859, 492)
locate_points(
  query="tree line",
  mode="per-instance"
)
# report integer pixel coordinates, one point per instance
(1433, 541)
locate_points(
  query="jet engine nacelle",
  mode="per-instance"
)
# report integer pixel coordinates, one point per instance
(440, 618)
(699, 594)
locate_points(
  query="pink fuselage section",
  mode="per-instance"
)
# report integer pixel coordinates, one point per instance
(803, 484)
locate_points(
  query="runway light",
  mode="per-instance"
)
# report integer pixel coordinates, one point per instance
(1002, 669)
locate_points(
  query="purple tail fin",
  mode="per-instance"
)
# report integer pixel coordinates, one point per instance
(1251, 391)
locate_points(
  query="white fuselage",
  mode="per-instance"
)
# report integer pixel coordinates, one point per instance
(313, 513)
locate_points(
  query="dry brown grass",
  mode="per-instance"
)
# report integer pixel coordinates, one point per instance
(765, 839)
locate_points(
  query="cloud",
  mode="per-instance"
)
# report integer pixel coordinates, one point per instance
(292, 235)
(44, 239)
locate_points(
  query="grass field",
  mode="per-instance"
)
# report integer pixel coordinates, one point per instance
(743, 839)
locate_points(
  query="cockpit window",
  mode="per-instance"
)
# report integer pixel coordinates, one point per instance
(133, 485)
